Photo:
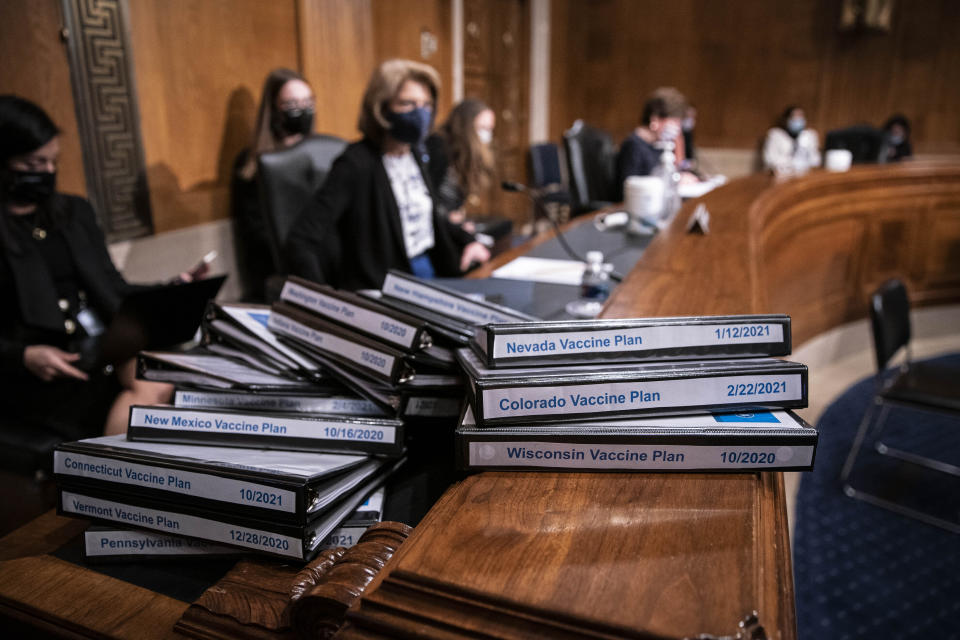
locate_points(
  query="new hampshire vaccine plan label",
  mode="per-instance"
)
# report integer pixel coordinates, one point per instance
(633, 396)
(634, 339)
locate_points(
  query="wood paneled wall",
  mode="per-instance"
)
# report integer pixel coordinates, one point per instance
(35, 67)
(200, 67)
(742, 62)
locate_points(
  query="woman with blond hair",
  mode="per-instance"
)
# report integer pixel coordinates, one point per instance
(461, 156)
(284, 118)
(377, 209)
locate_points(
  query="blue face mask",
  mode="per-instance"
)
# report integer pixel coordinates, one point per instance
(895, 140)
(410, 127)
(796, 125)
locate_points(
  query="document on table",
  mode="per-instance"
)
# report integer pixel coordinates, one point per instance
(542, 270)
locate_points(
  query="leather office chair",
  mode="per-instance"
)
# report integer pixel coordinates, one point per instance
(863, 141)
(591, 165)
(920, 386)
(287, 179)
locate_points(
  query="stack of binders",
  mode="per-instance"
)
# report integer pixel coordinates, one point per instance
(658, 394)
(262, 451)
(395, 350)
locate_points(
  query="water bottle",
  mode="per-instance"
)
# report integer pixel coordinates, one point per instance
(594, 287)
(667, 172)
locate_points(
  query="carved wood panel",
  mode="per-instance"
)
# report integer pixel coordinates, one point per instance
(107, 115)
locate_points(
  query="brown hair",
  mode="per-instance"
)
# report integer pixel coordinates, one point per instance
(665, 102)
(471, 159)
(384, 83)
(263, 139)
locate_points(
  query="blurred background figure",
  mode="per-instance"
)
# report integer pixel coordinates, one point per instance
(461, 158)
(688, 125)
(896, 139)
(284, 118)
(59, 289)
(791, 146)
(377, 209)
(660, 122)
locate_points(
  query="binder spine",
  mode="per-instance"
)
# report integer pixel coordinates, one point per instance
(168, 519)
(611, 341)
(380, 362)
(511, 402)
(476, 453)
(334, 404)
(337, 307)
(256, 499)
(449, 303)
(171, 424)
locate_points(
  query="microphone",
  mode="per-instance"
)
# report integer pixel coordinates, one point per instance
(536, 196)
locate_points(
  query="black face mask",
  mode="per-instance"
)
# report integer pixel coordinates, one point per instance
(29, 187)
(291, 122)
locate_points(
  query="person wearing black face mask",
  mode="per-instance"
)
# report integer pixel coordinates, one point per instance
(285, 117)
(56, 281)
(377, 209)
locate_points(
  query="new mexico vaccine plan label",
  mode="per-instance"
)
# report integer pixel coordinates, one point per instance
(632, 396)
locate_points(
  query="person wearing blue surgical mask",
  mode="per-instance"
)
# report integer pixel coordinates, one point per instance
(377, 209)
(791, 146)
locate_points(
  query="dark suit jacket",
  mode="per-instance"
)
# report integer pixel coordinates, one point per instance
(28, 299)
(350, 235)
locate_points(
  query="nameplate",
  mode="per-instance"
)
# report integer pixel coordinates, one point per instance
(635, 396)
(361, 355)
(380, 325)
(181, 524)
(200, 485)
(442, 302)
(274, 426)
(291, 403)
(633, 339)
(638, 457)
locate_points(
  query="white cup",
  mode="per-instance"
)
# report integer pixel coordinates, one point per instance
(643, 197)
(837, 160)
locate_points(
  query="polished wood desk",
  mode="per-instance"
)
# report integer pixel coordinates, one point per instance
(675, 555)
(609, 555)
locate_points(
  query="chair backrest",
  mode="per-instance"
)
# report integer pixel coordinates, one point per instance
(890, 317)
(287, 179)
(591, 163)
(863, 141)
(545, 165)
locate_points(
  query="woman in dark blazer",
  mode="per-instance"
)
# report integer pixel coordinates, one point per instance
(57, 283)
(376, 211)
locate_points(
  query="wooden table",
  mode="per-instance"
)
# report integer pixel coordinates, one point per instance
(609, 555)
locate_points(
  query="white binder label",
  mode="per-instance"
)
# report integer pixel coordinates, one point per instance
(636, 339)
(189, 483)
(359, 354)
(619, 457)
(292, 403)
(626, 396)
(125, 543)
(381, 325)
(181, 524)
(444, 303)
(284, 427)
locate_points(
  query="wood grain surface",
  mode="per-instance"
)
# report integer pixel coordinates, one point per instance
(519, 555)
